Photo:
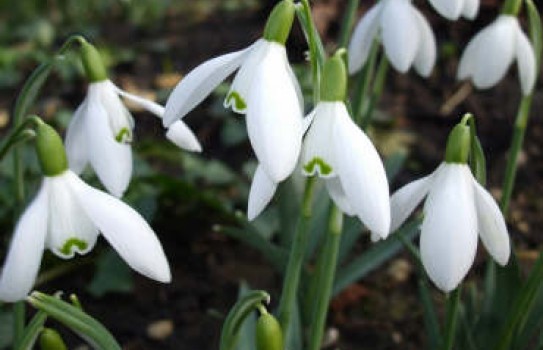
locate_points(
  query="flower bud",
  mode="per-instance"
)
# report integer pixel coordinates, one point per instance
(268, 333)
(458, 144)
(50, 150)
(51, 340)
(334, 78)
(92, 62)
(280, 22)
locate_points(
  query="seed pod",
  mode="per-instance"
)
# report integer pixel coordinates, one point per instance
(268, 333)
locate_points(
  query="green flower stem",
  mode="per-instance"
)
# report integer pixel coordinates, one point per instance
(511, 7)
(295, 260)
(348, 21)
(365, 77)
(317, 54)
(453, 302)
(519, 132)
(378, 86)
(326, 278)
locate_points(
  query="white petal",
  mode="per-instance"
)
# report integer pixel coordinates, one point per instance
(274, 118)
(362, 39)
(426, 54)
(496, 41)
(26, 250)
(449, 9)
(492, 228)
(180, 134)
(525, 62)
(199, 83)
(124, 229)
(261, 193)
(406, 199)
(296, 85)
(111, 160)
(362, 174)
(149, 105)
(317, 155)
(69, 231)
(448, 240)
(241, 86)
(76, 140)
(400, 33)
(470, 9)
(119, 118)
(336, 192)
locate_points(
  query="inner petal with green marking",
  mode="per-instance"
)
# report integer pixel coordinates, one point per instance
(318, 164)
(124, 135)
(237, 102)
(73, 245)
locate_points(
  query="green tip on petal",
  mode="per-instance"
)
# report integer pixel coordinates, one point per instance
(280, 22)
(459, 143)
(238, 101)
(50, 150)
(50, 339)
(72, 243)
(123, 135)
(324, 168)
(334, 78)
(92, 62)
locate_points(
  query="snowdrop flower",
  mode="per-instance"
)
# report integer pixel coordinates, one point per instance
(490, 53)
(406, 36)
(337, 150)
(66, 216)
(456, 208)
(264, 89)
(101, 129)
(453, 9)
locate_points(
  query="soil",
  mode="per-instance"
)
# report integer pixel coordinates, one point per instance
(382, 311)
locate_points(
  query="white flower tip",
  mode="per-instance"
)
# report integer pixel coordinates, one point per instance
(375, 237)
(180, 134)
(260, 194)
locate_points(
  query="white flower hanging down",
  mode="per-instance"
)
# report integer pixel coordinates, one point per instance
(101, 129)
(457, 207)
(337, 150)
(66, 217)
(264, 89)
(407, 37)
(453, 9)
(489, 54)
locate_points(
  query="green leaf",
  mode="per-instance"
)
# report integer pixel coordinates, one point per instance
(536, 30)
(6, 329)
(394, 164)
(112, 275)
(431, 321)
(30, 90)
(295, 336)
(246, 338)
(373, 258)
(72, 317)
(32, 331)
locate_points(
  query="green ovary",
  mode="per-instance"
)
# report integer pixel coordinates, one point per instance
(324, 168)
(239, 102)
(71, 243)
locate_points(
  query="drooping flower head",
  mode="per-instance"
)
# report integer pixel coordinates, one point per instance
(453, 9)
(66, 217)
(457, 207)
(489, 54)
(405, 34)
(264, 89)
(101, 129)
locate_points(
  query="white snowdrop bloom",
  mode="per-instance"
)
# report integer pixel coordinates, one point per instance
(265, 89)
(489, 54)
(101, 129)
(66, 217)
(336, 149)
(453, 9)
(457, 207)
(405, 34)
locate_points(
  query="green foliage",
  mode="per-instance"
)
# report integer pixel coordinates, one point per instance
(111, 275)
